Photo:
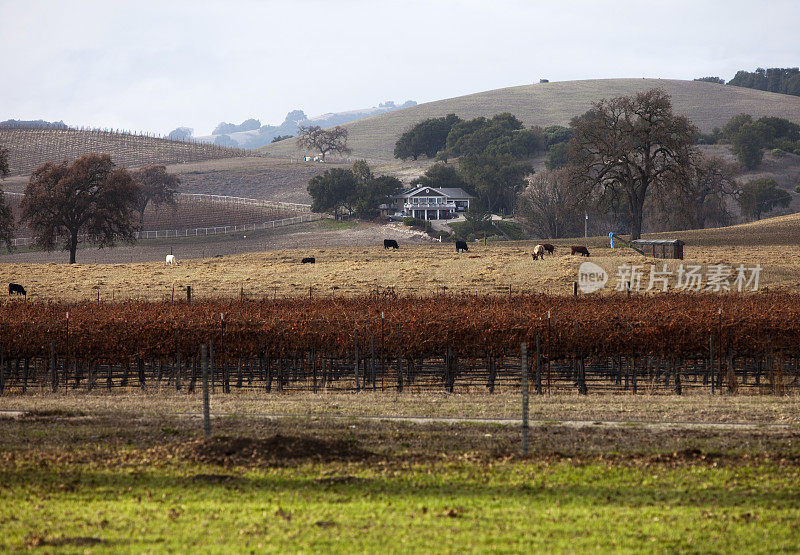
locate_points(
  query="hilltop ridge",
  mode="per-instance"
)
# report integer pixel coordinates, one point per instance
(708, 105)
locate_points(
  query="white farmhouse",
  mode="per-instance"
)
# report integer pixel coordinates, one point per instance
(430, 203)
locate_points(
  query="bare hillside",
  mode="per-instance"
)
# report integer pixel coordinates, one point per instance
(707, 104)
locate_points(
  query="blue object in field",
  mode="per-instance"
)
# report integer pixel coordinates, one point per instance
(611, 236)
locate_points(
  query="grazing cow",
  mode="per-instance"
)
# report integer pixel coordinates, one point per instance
(170, 260)
(538, 252)
(309, 260)
(390, 244)
(17, 289)
(583, 251)
(461, 246)
(549, 248)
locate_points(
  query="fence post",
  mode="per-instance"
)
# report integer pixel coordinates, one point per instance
(524, 367)
(206, 410)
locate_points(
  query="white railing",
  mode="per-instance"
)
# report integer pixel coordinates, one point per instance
(201, 231)
(223, 199)
(196, 232)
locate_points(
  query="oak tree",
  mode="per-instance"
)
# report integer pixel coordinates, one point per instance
(89, 200)
(322, 140)
(631, 145)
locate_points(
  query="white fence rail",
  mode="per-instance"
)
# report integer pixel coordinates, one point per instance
(201, 231)
(222, 199)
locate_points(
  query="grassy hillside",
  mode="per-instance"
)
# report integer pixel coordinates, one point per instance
(706, 104)
(29, 148)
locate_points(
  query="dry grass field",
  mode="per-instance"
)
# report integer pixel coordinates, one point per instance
(420, 267)
(706, 104)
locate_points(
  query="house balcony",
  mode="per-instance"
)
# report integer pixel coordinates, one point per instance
(407, 207)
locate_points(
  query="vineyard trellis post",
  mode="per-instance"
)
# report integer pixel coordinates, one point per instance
(711, 360)
(523, 355)
(53, 370)
(206, 408)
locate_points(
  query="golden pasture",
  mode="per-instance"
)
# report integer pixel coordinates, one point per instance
(426, 269)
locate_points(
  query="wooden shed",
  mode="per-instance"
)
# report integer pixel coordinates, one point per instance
(660, 248)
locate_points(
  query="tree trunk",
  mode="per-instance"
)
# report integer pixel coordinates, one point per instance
(637, 208)
(73, 246)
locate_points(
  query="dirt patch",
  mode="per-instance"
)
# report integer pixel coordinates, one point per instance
(274, 450)
(214, 478)
(42, 540)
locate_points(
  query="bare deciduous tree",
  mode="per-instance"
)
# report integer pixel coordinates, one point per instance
(89, 200)
(547, 206)
(155, 186)
(631, 144)
(701, 197)
(323, 140)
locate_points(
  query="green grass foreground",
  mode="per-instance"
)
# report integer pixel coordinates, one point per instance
(508, 505)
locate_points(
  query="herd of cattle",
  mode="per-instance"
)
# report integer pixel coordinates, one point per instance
(461, 246)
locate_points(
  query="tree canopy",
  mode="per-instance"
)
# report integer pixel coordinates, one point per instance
(775, 79)
(629, 146)
(156, 186)
(502, 134)
(88, 200)
(495, 179)
(440, 175)
(762, 195)
(323, 140)
(356, 189)
(427, 137)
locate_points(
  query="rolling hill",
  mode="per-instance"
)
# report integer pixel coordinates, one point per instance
(708, 105)
(29, 148)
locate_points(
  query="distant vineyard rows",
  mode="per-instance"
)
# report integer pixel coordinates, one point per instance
(675, 327)
(188, 213)
(29, 148)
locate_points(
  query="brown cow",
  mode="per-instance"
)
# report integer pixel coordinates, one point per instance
(583, 251)
(548, 247)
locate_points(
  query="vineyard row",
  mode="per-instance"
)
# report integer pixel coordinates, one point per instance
(678, 339)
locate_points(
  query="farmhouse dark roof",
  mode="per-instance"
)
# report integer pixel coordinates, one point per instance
(451, 192)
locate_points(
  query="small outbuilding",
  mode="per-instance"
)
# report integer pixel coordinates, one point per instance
(660, 248)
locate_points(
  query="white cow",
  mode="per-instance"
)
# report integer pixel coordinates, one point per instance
(538, 252)
(170, 260)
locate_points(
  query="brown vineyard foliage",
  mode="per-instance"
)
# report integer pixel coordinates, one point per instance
(670, 326)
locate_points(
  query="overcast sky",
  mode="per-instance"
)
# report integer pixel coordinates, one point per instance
(157, 65)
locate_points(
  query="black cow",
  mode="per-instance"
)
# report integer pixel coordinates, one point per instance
(580, 249)
(461, 246)
(390, 244)
(309, 260)
(16, 288)
(548, 247)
